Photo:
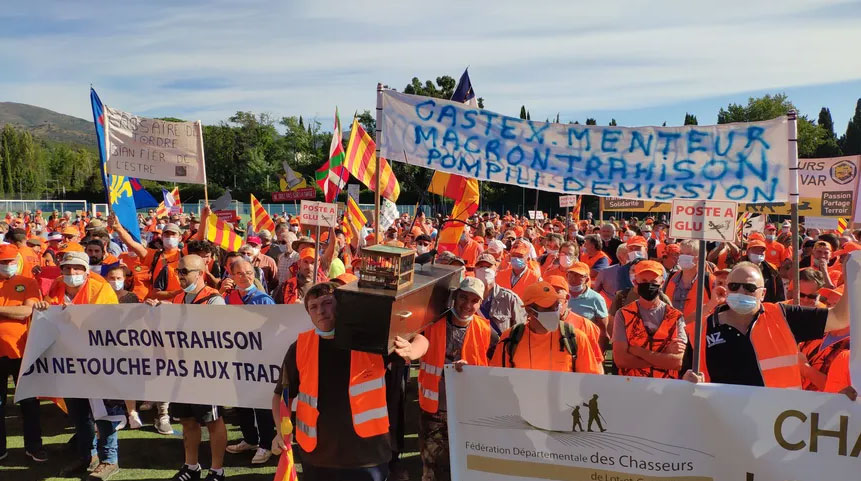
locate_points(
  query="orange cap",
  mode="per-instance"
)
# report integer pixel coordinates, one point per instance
(756, 243)
(346, 278)
(673, 248)
(70, 230)
(541, 294)
(307, 253)
(847, 248)
(294, 221)
(832, 295)
(8, 251)
(520, 249)
(756, 236)
(71, 247)
(558, 282)
(649, 266)
(581, 268)
(637, 240)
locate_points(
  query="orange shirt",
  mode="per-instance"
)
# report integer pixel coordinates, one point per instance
(774, 252)
(15, 291)
(30, 260)
(838, 375)
(592, 332)
(527, 278)
(469, 253)
(541, 351)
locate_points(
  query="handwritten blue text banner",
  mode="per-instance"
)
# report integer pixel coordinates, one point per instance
(744, 162)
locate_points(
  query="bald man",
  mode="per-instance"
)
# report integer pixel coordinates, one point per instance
(754, 343)
(191, 271)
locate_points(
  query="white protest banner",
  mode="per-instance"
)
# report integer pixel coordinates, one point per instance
(743, 162)
(228, 355)
(535, 214)
(827, 186)
(567, 200)
(754, 224)
(824, 223)
(528, 424)
(318, 213)
(709, 220)
(388, 214)
(852, 276)
(153, 149)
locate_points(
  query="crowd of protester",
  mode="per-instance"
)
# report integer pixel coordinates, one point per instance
(607, 297)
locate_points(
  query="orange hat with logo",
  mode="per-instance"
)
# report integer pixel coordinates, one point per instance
(637, 240)
(649, 266)
(581, 268)
(307, 253)
(8, 251)
(558, 282)
(541, 294)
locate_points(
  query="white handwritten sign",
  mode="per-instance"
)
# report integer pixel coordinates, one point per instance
(567, 200)
(319, 213)
(153, 149)
(743, 162)
(703, 220)
(823, 223)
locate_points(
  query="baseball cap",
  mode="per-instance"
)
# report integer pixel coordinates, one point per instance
(95, 224)
(172, 228)
(449, 257)
(486, 258)
(637, 240)
(847, 248)
(673, 249)
(473, 285)
(542, 294)
(71, 247)
(756, 243)
(488, 225)
(495, 246)
(346, 278)
(756, 236)
(521, 249)
(76, 259)
(35, 241)
(581, 268)
(8, 251)
(558, 282)
(254, 240)
(649, 266)
(307, 253)
(294, 220)
(71, 231)
(55, 236)
(769, 226)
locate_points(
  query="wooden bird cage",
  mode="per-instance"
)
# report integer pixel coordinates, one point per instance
(386, 267)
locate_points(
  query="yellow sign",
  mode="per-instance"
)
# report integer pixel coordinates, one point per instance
(611, 204)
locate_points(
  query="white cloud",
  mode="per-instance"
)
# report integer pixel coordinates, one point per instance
(306, 57)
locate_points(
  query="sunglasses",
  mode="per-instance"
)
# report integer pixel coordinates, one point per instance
(184, 272)
(809, 296)
(749, 287)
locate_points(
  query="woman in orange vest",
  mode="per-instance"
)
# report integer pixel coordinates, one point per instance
(472, 343)
(342, 419)
(755, 343)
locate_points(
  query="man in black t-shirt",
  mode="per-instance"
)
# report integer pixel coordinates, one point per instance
(339, 453)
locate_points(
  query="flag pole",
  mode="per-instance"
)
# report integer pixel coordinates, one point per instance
(792, 125)
(107, 180)
(378, 138)
(202, 160)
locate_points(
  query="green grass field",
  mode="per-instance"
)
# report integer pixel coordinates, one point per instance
(145, 455)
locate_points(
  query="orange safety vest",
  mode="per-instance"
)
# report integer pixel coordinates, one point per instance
(367, 392)
(638, 335)
(775, 347)
(591, 260)
(470, 253)
(690, 309)
(202, 297)
(476, 342)
(820, 359)
(527, 278)
(95, 290)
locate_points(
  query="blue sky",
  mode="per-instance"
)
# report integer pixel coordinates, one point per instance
(639, 62)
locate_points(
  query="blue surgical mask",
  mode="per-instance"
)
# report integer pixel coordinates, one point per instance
(325, 333)
(770, 238)
(190, 288)
(9, 269)
(742, 303)
(74, 280)
(518, 262)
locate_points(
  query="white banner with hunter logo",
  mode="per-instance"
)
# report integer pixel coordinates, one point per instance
(523, 424)
(227, 355)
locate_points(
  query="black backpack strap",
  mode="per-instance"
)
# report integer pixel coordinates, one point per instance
(206, 299)
(568, 341)
(510, 344)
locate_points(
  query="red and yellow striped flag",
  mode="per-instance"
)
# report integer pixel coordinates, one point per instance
(259, 217)
(465, 193)
(354, 220)
(286, 470)
(575, 211)
(361, 163)
(842, 224)
(220, 234)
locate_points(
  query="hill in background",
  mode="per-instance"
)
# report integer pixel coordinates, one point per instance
(47, 124)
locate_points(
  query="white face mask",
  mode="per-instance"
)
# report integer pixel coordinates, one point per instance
(171, 242)
(632, 256)
(686, 261)
(548, 320)
(74, 280)
(117, 285)
(255, 251)
(9, 269)
(486, 275)
(576, 290)
(422, 249)
(756, 258)
(565, 261)
(294, 228)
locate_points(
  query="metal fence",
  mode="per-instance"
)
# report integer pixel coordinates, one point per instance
(73, 206)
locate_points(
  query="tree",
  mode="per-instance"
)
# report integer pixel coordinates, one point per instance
(443, 89)
(612, 122)
(825, 122)
(523, 112)
(591, 121)
(851, 141)
(829, 146)
(690, 119)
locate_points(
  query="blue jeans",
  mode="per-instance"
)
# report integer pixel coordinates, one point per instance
(87, 444)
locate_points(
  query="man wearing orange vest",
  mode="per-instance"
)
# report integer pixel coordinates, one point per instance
(463, 337)
(194, 290)
(593, 256)
(755, 343)
(649, 335)
(342, 418)
(164, 284)
(518, 276)
(562, 346)
(468, 249)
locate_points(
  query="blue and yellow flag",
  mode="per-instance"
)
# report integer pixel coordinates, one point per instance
(118, 189)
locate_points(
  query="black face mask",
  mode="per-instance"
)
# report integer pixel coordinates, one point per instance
(648, 291)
